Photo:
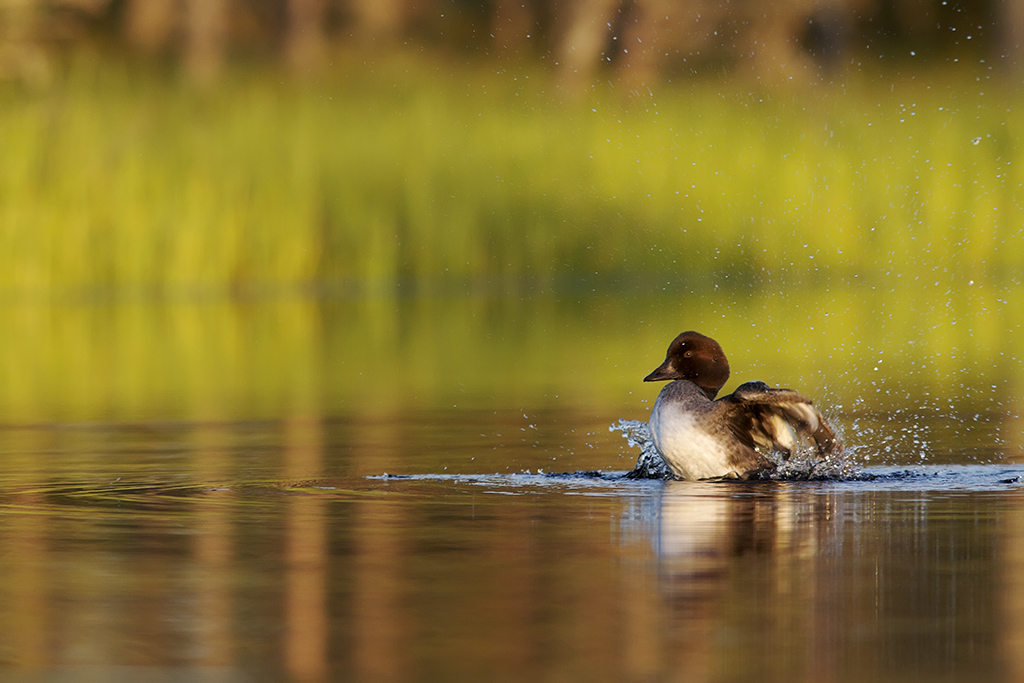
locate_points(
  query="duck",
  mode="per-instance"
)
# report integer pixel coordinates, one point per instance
(702, 437)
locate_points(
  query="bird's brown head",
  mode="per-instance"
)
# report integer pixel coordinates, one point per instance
(695, 357)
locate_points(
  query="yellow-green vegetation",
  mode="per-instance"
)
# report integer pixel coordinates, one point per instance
(119, 179)
(859, 241)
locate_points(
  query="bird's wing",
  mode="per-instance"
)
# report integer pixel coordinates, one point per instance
(779, 420)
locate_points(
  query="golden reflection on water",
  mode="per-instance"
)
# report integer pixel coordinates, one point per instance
(214, 549)
(380, 615)
(317, 577)
(381, 620)
(787, 583)
(221, 359)
(25, 612)
(306, 555)
(1011, 590)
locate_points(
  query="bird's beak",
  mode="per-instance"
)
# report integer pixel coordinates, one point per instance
(662, 372)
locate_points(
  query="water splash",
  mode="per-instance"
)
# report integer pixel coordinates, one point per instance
(801, 465)
(649, 464)
(806, 464)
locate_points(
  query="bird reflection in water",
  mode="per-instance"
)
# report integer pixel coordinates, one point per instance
(726, 551)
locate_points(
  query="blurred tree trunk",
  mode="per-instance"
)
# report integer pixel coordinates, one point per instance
(305, 41)
(18, 19)
(21, 55)
(777, 55)
(584, 40)
(206, 32)
(1010, 41)
(511, 24)
(377, 19)
(654, 25)
(149, 24)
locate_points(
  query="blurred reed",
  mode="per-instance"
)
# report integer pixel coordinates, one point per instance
(409, 173)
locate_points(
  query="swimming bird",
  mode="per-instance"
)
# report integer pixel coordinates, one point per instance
(729, 438)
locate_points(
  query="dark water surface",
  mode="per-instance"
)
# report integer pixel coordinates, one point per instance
(280, 550)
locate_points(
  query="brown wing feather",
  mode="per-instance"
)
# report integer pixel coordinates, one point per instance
(780, 420)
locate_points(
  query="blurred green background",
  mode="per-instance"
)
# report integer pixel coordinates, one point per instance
(242, 209)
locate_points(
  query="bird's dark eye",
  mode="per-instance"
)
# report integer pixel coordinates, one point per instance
(688, 354)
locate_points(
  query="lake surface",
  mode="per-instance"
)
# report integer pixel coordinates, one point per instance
(430, 491)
